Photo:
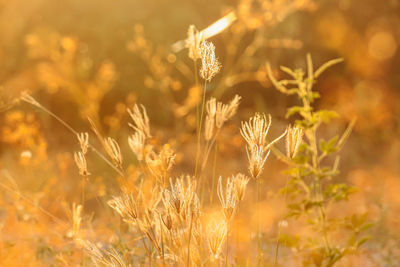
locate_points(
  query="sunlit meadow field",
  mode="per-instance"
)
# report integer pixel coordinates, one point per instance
(200, 133)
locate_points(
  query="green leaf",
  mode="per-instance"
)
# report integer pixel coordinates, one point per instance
(328, 147)
(339, 192)
(326, 65)
(293, 110)
(362, 241)
(326, 115)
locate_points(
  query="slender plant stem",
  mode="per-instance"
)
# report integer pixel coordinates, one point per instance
(214, 170)
(318, 189)
(200, 128)
(258, 222)
(196, 82)
(190, 237)
(83, 192)
(66, 125)
(279, 226)
(227, 245)
(56, 219)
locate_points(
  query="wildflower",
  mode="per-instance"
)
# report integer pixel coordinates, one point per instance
(80, 161)
(228, 199)
(210, 65)
(140, 119)
(293, 140)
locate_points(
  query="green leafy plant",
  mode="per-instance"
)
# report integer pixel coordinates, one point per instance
(311, 190)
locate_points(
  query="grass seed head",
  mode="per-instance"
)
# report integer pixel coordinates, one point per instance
(257, 157)
(226, 111)
(80, 161)
(228, 198)
(240, 181)
(140, 119)
(216, 234)
(112, 148)
(210, 65)
(193, 42)
(209, 127)
(83, 139)
(137, 142)
(293, 140)
(255, 130)
(126, 206)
